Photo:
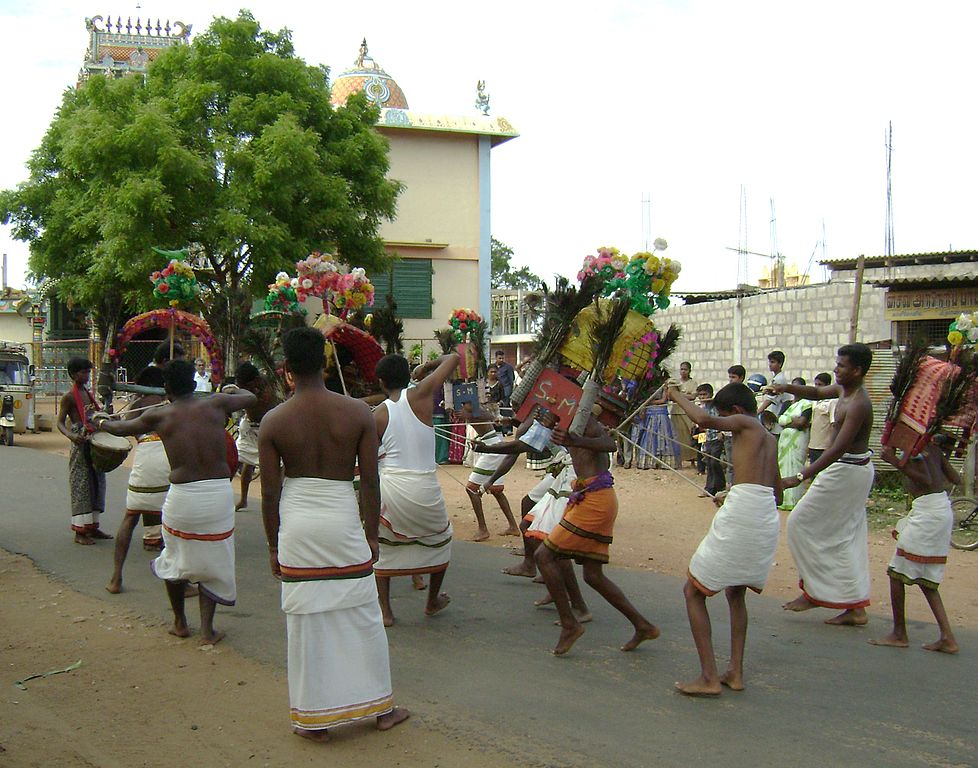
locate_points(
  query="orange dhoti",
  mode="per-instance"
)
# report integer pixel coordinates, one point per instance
(586, 531)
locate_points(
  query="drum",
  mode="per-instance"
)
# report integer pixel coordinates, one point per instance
(108, 451)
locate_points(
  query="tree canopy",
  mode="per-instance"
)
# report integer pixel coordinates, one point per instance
(230, 142)
(504, 275)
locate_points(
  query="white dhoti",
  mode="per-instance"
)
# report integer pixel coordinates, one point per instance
(557, 465)
(923, 538)
(828, 538)
(415, 532)
(738, 550)
(549, 511)
(247, 442)
(149, 480)
(338, 661)
(486, 464)
(198, 531)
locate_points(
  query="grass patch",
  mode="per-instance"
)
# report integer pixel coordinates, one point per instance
(887, 503)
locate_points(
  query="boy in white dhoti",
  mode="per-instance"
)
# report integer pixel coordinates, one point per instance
(416, 533)
(484, 467)
(198, 515)
(827, 529)
(923, 538)
(338, 661)
(149, 480)
(738, 551)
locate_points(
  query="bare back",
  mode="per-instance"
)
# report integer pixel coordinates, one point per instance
(755, 451)
(192, 431)
(318, 433)
(933, 473)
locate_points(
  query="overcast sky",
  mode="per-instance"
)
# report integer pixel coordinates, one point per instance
(680, 102)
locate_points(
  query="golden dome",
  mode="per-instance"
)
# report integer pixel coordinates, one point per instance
(368, 76)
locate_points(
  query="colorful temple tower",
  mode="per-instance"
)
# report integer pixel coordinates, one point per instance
(117, 49)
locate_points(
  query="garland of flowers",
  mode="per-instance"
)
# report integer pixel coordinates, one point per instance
(167, 318)
(346, 290)
(963, 330)
(282, 296)
(466, 322)
(176, 283)
(645, 278)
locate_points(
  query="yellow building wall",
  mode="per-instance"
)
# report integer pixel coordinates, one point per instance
(439, 204)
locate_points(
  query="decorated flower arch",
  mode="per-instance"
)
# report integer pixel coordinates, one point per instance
(177, 319)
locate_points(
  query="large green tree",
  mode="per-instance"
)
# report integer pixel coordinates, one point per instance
(230, 142)
(505, 275)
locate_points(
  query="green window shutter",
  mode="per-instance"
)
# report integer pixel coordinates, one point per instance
(382, 286)
(412, 288)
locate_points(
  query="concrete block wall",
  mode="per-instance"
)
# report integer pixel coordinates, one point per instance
(808, 324)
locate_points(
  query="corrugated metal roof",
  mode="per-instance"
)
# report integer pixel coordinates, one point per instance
(903, 259)
(883, 282)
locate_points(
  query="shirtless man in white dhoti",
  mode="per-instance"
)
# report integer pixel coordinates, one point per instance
(338, 660)
(198, 515)
(416, 533)
(738, 551)
(827, 529)
(923, 538)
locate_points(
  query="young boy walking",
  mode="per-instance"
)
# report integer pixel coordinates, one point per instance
(923, 538)
(738, 551)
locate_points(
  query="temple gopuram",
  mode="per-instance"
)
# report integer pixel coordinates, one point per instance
(122, 48)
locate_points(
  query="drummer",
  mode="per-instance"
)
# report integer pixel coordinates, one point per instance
(148, 483)
(86, 484)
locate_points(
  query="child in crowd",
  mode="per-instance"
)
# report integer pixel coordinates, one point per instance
(712, 445)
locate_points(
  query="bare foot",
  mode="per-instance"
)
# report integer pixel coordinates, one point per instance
(699, 687)
(651, 632)
(395, 717)
(441, 602)
(101, 535)
(388, 619)
(523, 569)
(733, 680)
(81, 538)
(583, 617)
(892, 640)
(511, 531)
(481, 535)
(854, 617)
(212, 639)
(179, 630)
(545, 600)
(799, 604)
(943, 645)
(321, 736)
(243, 504)
(417, 582)
(153, 547)
(567, 638)
(114, 586)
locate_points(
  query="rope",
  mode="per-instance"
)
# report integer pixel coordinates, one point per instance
(677, 442)
(672, 469)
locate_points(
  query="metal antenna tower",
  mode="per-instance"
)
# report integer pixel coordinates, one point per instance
(889, 247)
(742, 277)
(777, 260)
(647, 222)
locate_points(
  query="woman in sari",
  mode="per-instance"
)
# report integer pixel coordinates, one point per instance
(793, 444)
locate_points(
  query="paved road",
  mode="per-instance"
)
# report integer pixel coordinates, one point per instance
(481, 671)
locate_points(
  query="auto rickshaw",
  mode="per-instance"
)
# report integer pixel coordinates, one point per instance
(16, 392)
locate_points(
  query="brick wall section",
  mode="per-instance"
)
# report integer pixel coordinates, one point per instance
(808, 324)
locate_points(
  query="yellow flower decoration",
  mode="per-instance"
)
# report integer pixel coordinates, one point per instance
(658, 285)
(955, 338)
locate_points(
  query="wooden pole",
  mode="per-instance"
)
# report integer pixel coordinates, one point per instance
(856, 297)
(339, 370)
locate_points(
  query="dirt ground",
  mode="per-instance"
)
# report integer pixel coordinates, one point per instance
(87, 719)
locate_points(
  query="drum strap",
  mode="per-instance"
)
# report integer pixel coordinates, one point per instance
(77, 393)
